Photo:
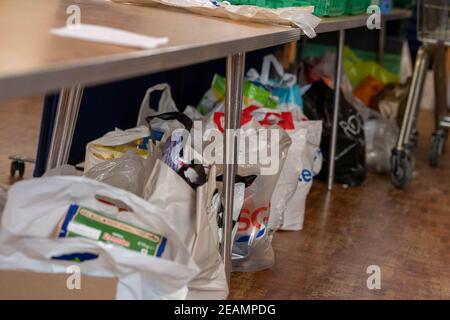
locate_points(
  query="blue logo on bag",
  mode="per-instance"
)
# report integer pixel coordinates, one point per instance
(306, 176)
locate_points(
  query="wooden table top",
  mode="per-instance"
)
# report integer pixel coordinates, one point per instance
(33, 61)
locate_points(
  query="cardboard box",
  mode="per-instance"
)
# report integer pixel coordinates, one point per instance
(27, 285)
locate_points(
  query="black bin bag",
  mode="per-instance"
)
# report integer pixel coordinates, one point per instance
(350, 166)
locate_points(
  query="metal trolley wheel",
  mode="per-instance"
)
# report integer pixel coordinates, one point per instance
(439, 140)
(401, 168)
(17, 166)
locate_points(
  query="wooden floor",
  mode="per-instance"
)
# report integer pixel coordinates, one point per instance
(405, 233)
(19, 132)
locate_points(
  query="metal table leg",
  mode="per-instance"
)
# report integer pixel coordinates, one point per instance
(337, 92)
(233, 108)
(382, 42)
(64, 127)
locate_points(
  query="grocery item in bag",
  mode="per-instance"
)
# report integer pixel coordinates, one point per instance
(115, 144)
(252, 95)
(174, 147)
(84, 222)
(368, 89)
(35, 208)
(350, 165)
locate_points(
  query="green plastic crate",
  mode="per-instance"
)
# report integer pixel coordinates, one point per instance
(330, 8)
(273, 4)
(356, 6)
(321, 7)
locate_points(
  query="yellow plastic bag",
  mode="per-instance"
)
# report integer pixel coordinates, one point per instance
(358, 70)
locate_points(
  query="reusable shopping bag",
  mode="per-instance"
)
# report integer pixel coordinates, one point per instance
(33, 214)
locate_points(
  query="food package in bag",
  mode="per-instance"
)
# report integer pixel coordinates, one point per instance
(49, 219)
(115, 144)
(252, 249)
(252, 95)
(311, 161)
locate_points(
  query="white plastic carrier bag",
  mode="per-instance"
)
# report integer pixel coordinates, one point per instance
(115, 144)
(188, 211)
(288, 181)
(3, 196)
(252, 249)
(311, 161)
(127, 173)
(165, 104)
(38, 211)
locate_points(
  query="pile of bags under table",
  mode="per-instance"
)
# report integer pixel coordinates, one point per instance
(148, 208)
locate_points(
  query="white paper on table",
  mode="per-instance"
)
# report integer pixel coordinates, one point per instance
(109, 35)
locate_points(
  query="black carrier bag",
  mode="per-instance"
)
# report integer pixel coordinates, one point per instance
(350, 166)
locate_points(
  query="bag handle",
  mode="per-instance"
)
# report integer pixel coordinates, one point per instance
(269, 61)
(165, 104)
(199, 169)
(179, 116)
(286, 79)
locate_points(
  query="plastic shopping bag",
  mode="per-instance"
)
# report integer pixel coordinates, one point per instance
(127, 173)
(115, 144)
(358, 70)
(284, 87)
(287, 181)
(252, 249)
(240, 184)
(166, 103)
(311, 161)
(381, 136)
(350, 148)
(36, 208)
(186, 210)
(3, 196)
